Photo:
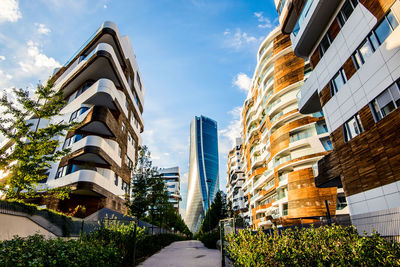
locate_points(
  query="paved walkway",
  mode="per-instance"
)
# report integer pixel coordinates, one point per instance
(185, 254)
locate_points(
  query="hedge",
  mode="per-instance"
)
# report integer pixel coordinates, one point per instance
(209, 239)
(324, 246)
(109, 246)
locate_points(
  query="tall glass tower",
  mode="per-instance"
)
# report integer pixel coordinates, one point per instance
(203, 170)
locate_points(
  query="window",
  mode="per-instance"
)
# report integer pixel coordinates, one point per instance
(352, 128)
(385, 28)
(60, 172)
(120, 151)
(386, 102)
(67, 142)
(83, 110)
(364, 51)
(337, 82)
(326, 142)
(346, 11)
(123, 128)
(78, 137)
(139, 81)
(83, 88)
(325, 43)
(129, 162)
(75, 114)
(116, 179)
(71, 168)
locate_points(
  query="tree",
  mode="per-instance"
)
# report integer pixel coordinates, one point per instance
(215, 213)
(35, 147)
(143, 171)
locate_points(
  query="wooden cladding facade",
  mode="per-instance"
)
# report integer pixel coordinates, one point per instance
(305, 200)
(281, 42)
(288, 70)
(325, 95)
(369, 160)
(377, 7)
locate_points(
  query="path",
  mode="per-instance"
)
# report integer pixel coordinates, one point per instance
(185, 254)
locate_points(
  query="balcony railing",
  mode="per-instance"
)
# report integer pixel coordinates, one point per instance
(282, 160)
(277, 116)
(283, 177)
(302, 17)
(300, 135)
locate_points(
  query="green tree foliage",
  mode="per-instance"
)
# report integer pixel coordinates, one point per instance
(143, 172)
(35, 147)
(324, 246)
(149, 199)
(215, 213)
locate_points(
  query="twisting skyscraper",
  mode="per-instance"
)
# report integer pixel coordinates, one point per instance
(203, 170)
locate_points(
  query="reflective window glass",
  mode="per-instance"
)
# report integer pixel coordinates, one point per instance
(392, 20)
(383, 30)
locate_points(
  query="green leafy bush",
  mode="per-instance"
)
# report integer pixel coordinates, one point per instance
(324, 246)
(112, 245)
(37, 251)
(209, 239)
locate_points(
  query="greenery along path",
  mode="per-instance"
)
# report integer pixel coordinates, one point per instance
(185, 254)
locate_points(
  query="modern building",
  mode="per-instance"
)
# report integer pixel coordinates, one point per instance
(103, 89)
(280, 144)
(172, 181)
(236, 177)
(203, 170)
(354, 52)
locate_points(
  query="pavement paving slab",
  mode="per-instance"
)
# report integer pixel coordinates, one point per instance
(186, 254)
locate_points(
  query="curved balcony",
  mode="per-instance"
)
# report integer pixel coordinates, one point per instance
(312, 22)
(104, 180)
(101, 63)
(109, 147)
(101, 93)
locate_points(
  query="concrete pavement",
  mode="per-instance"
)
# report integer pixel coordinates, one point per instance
(185, 254)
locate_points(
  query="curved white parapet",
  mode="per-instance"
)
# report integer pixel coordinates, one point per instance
(105, 181)
(109, 49)
(110, 147)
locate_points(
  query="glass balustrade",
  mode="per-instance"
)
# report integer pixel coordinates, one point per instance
(302, 17)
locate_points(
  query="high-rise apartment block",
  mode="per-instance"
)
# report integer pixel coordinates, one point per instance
(104, 92)
(203, 170)
(280, 144)
(171, 177)
(236, 177)
(354, 52)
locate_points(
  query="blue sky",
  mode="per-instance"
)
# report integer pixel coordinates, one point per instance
(195, 57)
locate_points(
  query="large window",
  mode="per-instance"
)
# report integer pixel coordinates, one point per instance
(352, 128)
(346, 11)
(374, 39)
(338, 81)
(78, 112)
(386, 102)
(387, 25)
(325, 43)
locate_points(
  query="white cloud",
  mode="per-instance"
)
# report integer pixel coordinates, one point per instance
(42, 29)
(238, 39)
(105, 6)
(242, 81)
(265, 23)
(35, 63)
(2, 58)
(9, 11)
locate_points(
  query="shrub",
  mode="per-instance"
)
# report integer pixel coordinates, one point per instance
(37, 251)
(209, 239)
(324, 246)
